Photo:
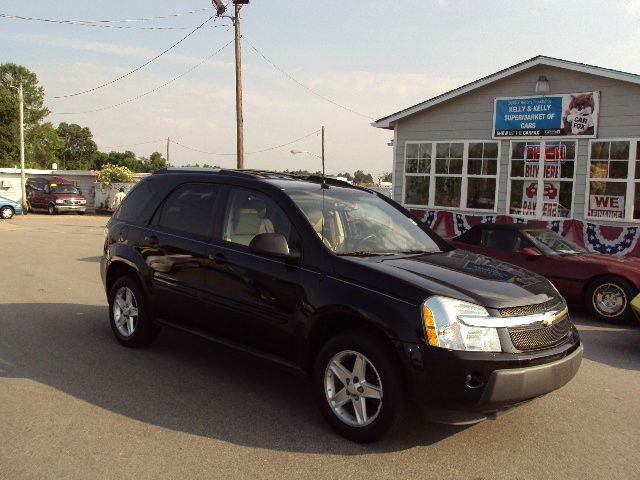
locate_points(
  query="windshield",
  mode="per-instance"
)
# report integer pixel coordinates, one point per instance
(64, 189)
(547, 240)
(356, 222)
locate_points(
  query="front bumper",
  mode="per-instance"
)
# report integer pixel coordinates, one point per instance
(70, 208)
(475, 385)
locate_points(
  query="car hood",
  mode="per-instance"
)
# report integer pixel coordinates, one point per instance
(464, 275)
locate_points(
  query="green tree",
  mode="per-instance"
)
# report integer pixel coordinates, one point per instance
(360, 177)
(34, 113)
(346, 175)
(78, 148)
(154, 163)
(387, 177)
(42, 144)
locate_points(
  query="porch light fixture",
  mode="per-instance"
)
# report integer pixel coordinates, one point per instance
(542, 85)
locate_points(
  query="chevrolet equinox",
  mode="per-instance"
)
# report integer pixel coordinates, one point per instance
(340, 283)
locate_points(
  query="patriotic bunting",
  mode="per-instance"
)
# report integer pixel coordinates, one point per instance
(607, 239)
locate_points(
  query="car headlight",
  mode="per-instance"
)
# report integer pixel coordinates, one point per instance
(59, 201)
(82, 202)
(444, 325)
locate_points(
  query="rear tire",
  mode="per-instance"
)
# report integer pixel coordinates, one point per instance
(129, 314)
(6, 213)
(356, 382)
(608, 299)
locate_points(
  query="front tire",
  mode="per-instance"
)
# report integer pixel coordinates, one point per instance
(357, 385)
(129, 314)
(608, 299)
(6, 213)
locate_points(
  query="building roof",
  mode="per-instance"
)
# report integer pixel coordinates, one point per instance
(388, 121)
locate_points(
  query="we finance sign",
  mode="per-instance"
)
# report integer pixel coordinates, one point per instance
(566, 115)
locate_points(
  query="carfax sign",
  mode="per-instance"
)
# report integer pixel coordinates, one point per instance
(568, 115)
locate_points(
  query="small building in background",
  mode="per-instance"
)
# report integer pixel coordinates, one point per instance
(546, 141)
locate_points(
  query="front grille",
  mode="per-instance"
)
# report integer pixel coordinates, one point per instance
(537, 336)
(525, 310)
(71, 202)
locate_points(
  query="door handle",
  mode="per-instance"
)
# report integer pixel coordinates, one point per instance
(152, 240)
(217, 258)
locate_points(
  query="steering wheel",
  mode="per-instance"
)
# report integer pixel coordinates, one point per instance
(363, 240)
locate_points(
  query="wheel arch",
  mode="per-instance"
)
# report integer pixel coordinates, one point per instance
(587, 285)
(329, 324)
(119, 268)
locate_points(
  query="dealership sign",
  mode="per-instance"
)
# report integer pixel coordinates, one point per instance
(608, 206)
(567, 115)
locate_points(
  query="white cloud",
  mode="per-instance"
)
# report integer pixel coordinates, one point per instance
(633, 6)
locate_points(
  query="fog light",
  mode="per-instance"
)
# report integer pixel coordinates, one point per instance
(475, 380)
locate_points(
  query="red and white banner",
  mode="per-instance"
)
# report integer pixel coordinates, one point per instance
(606, 239)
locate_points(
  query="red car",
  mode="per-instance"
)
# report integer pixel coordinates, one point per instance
(54, 195)
(605, 284)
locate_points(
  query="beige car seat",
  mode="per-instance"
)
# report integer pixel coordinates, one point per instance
(250, 220)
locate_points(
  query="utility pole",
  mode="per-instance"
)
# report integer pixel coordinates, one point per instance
(168, 142)
(22, 179)
(239, 119)
(8, 78)
(221, 9)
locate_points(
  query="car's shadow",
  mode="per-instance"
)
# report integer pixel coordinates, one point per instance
(614, 345)
(181, 382)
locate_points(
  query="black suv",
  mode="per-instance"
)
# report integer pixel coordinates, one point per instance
(340, 283)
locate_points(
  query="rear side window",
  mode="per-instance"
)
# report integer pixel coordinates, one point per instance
(136, 201)
(189, 210)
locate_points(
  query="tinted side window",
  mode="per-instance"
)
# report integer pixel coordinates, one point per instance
(189, 209)
(251, 213)
(504, 240)
(134, 203)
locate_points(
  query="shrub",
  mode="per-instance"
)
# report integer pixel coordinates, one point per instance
(114, 174)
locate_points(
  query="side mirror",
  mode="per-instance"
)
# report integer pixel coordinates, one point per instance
(272, 245)
(531, 253)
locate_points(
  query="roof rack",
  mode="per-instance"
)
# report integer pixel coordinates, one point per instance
(262, 174)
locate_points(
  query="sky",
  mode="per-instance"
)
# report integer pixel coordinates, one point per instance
(338, 64)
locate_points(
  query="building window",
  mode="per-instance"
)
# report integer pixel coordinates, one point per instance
(451, 174)
(542, 179)
(613, 189)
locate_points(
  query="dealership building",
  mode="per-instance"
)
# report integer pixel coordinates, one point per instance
(546, 140)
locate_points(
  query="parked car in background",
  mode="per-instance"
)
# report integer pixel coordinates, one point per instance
(9, 208)
(339, 283)
(54, 195)
(605, 284)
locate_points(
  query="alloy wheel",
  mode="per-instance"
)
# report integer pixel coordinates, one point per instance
(353, 388)
(125, 311)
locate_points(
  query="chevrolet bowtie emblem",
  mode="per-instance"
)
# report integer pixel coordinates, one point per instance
(555, 316)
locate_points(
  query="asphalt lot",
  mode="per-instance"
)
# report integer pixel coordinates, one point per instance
(75, 404)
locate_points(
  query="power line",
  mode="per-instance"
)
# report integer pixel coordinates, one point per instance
(310, 90)
(81, 23)
(137, 68)
(133, 99)
(247, 153)
(125, 20)
(135, 144)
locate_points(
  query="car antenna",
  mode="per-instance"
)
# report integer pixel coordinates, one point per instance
(324, 183)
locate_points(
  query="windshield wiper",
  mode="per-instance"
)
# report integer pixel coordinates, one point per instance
(364, 253)
(409, 252)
